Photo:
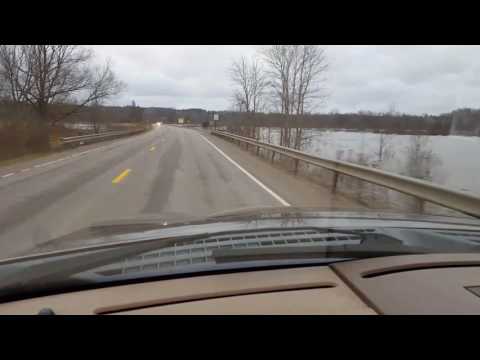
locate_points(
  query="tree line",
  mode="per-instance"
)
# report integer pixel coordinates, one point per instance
(457, 122)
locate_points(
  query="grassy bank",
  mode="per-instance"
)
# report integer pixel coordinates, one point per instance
(24, 140)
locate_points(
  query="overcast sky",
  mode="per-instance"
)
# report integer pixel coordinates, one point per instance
(416, 79)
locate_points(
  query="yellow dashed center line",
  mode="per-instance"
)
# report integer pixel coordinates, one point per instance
(122, 176)
(152, 148)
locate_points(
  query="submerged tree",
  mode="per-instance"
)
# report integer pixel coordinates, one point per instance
(296, 75)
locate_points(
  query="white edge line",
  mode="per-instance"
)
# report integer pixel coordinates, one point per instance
(58, 160)
(258, 182)
(49, 163)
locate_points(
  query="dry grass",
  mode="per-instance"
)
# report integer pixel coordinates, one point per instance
(20, 139)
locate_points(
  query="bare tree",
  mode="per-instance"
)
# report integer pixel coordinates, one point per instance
(250, 84)
(3, 90)
(241, 78)
(258, 84)
(278, 59)
(43, 75)
(238, 101)
(250, 81)
(279, 62)
(295, 76)
(311, 65)
(96, 116)
(384, 140)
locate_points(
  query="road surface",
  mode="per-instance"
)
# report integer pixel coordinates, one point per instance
(168, 170)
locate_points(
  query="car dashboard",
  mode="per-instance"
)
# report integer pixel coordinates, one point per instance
(407, 284)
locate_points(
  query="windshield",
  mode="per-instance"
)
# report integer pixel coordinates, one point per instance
(118, 144)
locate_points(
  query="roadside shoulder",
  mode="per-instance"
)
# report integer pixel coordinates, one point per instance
(296, 190)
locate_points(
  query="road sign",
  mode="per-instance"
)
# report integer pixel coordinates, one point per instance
(180, 120)
(215, 117)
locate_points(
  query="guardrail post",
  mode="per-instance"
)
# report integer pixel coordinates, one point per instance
(258, 150)
(335, 180)
(420, 204)
(273, 155)
(296, 167)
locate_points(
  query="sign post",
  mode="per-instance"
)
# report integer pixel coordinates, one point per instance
(215, 119)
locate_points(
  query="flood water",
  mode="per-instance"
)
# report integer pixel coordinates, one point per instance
(451, 161)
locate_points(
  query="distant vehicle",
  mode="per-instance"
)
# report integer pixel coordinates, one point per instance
(262, 261)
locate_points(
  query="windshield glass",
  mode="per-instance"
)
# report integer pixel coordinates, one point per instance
(120, 144)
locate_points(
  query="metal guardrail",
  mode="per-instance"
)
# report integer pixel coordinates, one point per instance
(421, 189)
(96, 137)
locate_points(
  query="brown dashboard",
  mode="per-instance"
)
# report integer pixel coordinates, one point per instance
(416, 284)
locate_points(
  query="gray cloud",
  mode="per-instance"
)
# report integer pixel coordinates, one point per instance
(418, 79)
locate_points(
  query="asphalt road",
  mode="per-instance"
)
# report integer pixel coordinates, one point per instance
(168, 170)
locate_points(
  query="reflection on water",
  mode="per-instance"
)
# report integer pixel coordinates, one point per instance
(445, 160)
